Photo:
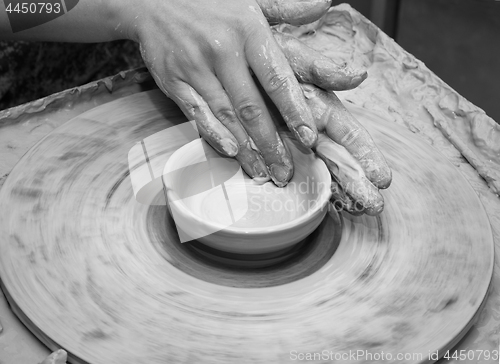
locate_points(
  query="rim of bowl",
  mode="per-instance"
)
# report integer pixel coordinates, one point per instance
(322, 199)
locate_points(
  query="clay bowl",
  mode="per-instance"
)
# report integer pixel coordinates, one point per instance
(215, 203)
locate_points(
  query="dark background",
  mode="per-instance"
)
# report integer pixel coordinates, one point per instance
(457, 39)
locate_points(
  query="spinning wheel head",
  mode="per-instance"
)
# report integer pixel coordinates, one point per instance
(212, 201)
(88, 264)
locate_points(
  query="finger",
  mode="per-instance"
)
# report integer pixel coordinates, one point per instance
(342, 202)
(278, 81)
(310, 66)
(252, 162)
(295, 12)
(195, 108)
(355, 189)
(332, 116)
(217, 99)
(57, 357)
(251, 110)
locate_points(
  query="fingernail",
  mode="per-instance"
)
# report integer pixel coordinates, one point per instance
(280, 174)
(359, 206)
(259, 169)
(230, 147)
(307, 136)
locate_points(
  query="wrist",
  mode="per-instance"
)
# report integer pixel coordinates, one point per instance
(124, 17)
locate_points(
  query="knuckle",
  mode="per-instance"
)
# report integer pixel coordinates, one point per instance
(353, 136)
(277, 81)
(225, 116)
(249, 113)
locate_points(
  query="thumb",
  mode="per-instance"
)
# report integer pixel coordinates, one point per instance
(294, 12)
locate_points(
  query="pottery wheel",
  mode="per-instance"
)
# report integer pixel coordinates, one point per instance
(89, 269)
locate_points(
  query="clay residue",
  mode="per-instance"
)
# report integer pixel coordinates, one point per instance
(403, 89)
(355, 188)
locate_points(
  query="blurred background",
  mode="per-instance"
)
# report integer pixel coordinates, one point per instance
(459, 40)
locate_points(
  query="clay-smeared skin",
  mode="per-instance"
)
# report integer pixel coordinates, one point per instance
(202, 55)
(211, 108)
(357, 166)
(310, 66)
(351, 186)
(208, 73)
(252, 162)
(338, 123)
(209, 127)
(274, 60)
(295, 12)
(57, 357)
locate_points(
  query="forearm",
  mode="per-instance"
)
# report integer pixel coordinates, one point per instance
(89, 21)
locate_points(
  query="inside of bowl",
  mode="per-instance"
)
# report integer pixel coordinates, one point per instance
(216, 191)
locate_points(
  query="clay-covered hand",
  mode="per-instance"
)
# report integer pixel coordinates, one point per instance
(204, 58)
(202, 54)
(308, 65)
(357, 166)
(57, 357)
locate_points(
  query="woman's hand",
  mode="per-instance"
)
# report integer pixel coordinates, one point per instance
(203, 54)
(218, 60)
(357, 167)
